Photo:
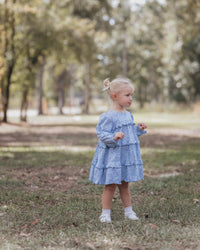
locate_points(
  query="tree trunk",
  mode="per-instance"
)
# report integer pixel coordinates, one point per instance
(71, 88)
(61, 91)
(124, 56)
(86, 89)
(24, 106)
(7, 92)
(9, 42)
(140, 97)
(40, 90)
(61, 97)
(1, 110)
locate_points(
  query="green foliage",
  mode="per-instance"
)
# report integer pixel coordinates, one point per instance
(155, 44)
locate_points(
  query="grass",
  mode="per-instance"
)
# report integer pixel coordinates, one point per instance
(47, 202)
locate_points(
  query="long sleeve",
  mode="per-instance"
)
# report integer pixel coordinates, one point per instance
(139, 132)
(105, 130)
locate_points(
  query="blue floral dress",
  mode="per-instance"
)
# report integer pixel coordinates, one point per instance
(117, 161)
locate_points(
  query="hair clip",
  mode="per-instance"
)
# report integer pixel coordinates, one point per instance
(106, 84)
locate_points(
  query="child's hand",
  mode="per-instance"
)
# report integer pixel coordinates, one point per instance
(142, 126)
(118, 135)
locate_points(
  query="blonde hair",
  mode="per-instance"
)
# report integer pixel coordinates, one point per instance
(116, 85)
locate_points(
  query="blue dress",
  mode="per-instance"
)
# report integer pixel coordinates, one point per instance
(117, 161)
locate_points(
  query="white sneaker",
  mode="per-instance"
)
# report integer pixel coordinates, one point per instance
(131, 216)
(105, 218)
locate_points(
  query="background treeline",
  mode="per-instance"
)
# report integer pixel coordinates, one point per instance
(57, 52)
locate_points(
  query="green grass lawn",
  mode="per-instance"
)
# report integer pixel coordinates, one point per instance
(47, 202)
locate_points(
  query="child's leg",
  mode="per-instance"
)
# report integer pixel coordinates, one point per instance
(124, 194)
(107, 196)
(126, 200)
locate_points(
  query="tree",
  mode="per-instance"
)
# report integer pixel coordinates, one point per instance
(83, 34)
(8, 52)
(66, 48)
(188, 24)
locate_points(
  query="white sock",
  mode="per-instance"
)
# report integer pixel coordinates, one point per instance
(106, 212)
(128, 210)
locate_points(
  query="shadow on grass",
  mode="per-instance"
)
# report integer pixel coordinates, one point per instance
(54, 170)
(86, 137)
(52, 138)
(27, 158)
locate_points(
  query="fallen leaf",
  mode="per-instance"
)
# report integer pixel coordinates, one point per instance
(83, 171)
(56, 177)
(153, 225)
(35, 222)
(25, 226)
(25, 234)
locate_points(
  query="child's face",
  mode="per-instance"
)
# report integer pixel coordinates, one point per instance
(124, 97)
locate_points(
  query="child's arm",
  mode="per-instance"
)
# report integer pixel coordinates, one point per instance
(105, 131)
(140, 129)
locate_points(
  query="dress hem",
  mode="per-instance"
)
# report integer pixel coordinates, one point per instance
(118, 183)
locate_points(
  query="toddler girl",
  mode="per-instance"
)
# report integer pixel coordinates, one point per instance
(117, 160)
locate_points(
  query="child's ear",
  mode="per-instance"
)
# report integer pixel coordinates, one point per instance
(114, 96)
